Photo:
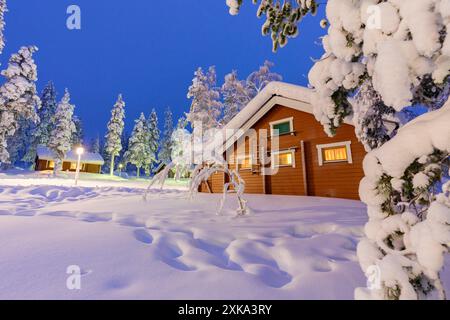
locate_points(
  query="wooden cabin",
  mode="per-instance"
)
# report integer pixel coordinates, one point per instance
(90, 162)
(306, 161)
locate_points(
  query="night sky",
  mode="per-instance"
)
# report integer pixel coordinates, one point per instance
(147, 50)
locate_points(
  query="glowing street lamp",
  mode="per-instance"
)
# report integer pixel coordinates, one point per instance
(79, 151)
(120, 169)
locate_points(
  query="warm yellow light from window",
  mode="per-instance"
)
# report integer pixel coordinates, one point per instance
(51, 164)
(246, 163)
(335, 154)
(285, 159)
(73, 166)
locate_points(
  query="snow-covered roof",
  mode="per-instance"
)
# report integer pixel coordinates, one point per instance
(273, 89)
(275, 93)
(45, 153)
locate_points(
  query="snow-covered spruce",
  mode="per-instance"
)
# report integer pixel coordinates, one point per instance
(78, 135)
(139, 152)
(408, 232)
(206, 107)
(165, 153)
(63, 128)
(153, 140)
(113, 144)
(41, 131)
(18, 99)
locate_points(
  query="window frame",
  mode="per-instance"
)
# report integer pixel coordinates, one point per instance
(346, 144)
(275, 153)
(274, 123)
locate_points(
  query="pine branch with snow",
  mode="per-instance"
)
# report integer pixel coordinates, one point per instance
(282, 18)
(113, 144)
(18, 99)
(63, 129)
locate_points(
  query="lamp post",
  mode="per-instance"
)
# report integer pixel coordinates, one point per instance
(79, 151)
(120, 169)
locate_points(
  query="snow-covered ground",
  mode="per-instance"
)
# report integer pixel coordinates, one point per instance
(170, 247)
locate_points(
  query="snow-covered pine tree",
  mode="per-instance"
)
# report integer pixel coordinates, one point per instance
(3, 10)
(205, 106)
(138, 153)
(235, 96)
(18, 99)
(153, 140)
(400, 49)
(116, 124)
(94, 145)
(63, 128)
(165, 153)
(257, 80)
(78, 135)
(41, 131)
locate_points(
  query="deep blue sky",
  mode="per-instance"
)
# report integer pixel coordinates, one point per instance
(147, 50)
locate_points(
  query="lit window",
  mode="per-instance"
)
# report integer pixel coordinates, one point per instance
(284, 126)
(245, 163)
(73, 166)
(283, 159)
(335, 152)
(51, 164)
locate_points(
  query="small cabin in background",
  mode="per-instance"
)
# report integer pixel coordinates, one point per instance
(308, 162)
(90, 162)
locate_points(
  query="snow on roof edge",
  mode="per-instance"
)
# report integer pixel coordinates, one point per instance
(283, 89)
(45, 153)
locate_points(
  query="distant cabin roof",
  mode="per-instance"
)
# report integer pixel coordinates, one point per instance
(45, 153)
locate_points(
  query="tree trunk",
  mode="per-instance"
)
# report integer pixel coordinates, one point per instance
(111, 170)
(138, 172)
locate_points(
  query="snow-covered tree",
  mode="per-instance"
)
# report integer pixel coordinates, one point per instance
(41, 131)
(206, 107)
(3, 9)
(139, 152)
(257, 80)
(381, 58)
(165, 153)
(78, 135)
(18, 99)
(63, 128)
(113, 144)
(235, 96)
(94, 145)
(153, 140)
